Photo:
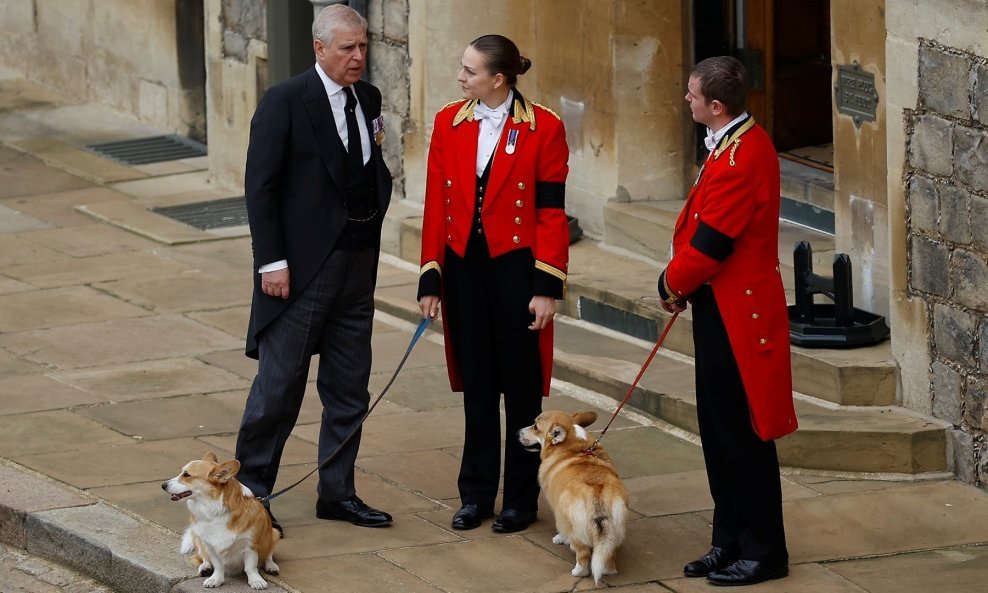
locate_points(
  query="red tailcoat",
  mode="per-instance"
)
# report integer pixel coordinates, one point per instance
(523, 206)
(727, 235)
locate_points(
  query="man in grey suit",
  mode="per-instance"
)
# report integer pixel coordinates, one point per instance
(317, 189)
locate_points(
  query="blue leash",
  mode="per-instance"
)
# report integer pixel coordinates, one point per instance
(415, 338)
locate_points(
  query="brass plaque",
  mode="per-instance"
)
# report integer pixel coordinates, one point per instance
(855, 92)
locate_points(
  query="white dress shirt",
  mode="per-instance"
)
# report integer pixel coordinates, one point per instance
(337, 101)
(491, 124)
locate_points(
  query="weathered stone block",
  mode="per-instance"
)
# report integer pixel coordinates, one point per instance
(979, 218)
(923, 205)
(932, 145)
(234, 46)
(955, 221)
(389, 70)
(947, 384)
(953, 333)
(970, 277)
(971, 157)
(944, 81)
(975, 410)
(928, 265)
(980, 95)
(396, 20)
(248, 17)
(965, 459)
(983, 346)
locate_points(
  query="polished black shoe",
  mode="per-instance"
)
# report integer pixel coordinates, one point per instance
(353, 510)
(512, 520)
(715, 559)
(275, 524)
(469, 516)
(748, 572)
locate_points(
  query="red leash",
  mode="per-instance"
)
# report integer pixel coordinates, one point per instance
(634, 383)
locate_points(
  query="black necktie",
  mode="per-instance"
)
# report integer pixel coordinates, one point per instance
(355, 153)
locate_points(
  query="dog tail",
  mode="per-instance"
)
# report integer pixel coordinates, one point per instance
(609, 525)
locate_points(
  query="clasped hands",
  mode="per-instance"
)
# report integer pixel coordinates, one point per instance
(543, 307)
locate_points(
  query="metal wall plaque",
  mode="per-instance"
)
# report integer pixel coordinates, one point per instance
(855, 92)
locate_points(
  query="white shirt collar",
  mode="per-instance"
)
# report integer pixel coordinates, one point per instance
(332, 87)
(713, 138)
(503, 107)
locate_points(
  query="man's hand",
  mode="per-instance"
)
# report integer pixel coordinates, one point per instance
(429, 305)
(677, 307)
(275, 283)
(544, 309)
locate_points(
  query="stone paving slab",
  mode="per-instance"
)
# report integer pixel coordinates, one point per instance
(809, 578)
(159, 186)
(24, 393)
(13, 221)
(89, 240)
(25, 492)
(59, 208)
(138, 219)
(232, 320)
(25, 175)
(15, 250)
(22, 572)
(191, 290)
(352, 573)
(9, 285)
(179, 416)
(152, 379)
(52, 430)
(89, 270)
(70, 305)
(68, 157)
(934, 571)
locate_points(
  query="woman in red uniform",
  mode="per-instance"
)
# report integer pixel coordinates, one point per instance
(495, 243)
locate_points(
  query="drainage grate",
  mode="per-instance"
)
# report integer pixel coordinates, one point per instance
(154, 149)
(215, 214)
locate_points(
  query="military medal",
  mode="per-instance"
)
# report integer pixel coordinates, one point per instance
(378, 125)
(512, 141)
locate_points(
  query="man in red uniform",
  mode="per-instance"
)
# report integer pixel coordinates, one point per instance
(726, 264)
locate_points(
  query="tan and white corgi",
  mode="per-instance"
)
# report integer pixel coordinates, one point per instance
(229, 531)
(587, 497)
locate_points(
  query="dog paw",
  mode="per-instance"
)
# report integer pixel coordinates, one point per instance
(212, 582)
(257, 582)
(560, 539)
(580, 571)
(271, 568)
(205, 569)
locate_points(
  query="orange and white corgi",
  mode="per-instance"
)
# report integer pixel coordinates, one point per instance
(230, 531)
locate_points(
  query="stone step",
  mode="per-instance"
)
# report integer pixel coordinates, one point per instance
(645, 228)
(871, 440)
(619, 292)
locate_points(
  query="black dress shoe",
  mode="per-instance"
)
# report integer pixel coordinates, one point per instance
(353, 510)
(748, 572)
(469, 517)
(275, 524)
(715, 559)
(512, 520)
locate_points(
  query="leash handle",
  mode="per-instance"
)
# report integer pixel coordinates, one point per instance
(415, 338)
(634, 383)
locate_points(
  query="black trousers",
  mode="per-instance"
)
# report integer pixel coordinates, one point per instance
(332, 317)
(487, 313)
(742, 469)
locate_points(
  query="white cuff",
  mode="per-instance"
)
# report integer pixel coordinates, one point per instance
(273, 266)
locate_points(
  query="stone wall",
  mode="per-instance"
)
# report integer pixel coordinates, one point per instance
(388, 69)
(947, 226)
(139, 57)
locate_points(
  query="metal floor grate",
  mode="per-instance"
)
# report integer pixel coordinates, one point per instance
(215, 214)
(154, 149)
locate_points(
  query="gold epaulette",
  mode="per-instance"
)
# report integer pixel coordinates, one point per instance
(734, 140)
(451, 103)
(549, 110)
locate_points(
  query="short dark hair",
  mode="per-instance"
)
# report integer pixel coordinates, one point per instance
(501, 55)
(723, 79)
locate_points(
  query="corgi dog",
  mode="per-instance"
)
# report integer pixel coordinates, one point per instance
(587, 497)
(230, 531)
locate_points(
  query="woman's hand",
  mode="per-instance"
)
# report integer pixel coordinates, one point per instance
(429, 305)
(544, 309)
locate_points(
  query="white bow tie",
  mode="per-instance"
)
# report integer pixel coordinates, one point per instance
(481, 111)
(709, 141)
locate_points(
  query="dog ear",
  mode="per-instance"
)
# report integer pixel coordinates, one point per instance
(556, 434)
(584, 418)
(224, 471)
(210, 456)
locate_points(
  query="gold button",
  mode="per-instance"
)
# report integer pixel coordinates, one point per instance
(763, 341)
(521, 186)
(448, 201)
(748, 292)
(776, 268)
(519, 203)
(480, 231)
(515, 239)
(449, 183)
(696, 216)
(449, 237)
(481, 189)
(449, 219)
(518, 220)
(755, 316)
